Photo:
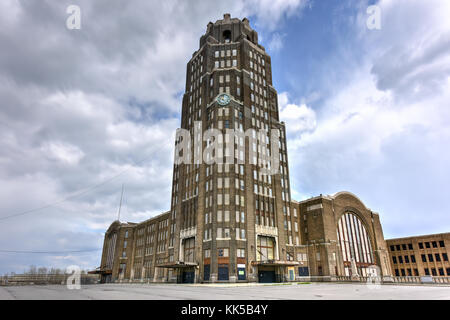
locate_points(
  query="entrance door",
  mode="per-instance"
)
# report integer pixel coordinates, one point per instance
(266, 276)
(188, 277)
(241, 273)
(291, 274)
(206, 272)
(222, 272)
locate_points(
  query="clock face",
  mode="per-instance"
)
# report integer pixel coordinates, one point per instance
(223, 99)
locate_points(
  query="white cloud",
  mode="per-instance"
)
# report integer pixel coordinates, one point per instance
(276, 42)
(84, 111)
(63, 152)
(381, 133)
(270, 13)
(298, 118)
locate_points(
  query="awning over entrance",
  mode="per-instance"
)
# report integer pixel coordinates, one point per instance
(100, 271)
(275, 263)
(178, 264)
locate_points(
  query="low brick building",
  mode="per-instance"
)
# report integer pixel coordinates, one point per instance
(334, 236)
(425, 255)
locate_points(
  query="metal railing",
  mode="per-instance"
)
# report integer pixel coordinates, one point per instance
(43, 279)
(395, 279)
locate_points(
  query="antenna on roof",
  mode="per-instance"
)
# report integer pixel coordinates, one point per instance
(120, 205)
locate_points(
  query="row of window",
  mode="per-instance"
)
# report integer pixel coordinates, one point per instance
(422, 245)
(415, 272)
(224, 233)
(434, 244)
(412, 259)
(436, 257)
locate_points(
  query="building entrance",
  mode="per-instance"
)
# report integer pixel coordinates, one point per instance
(266, 276)
(188, 276)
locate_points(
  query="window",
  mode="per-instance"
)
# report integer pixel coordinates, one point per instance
(406, 259)
(223, 252)
(227, 215)
(265, 248)
(126, 234)
(441, 272)
(427, 245)
(189, 249)
(403, 246)
(434, 244)
(397, 247)
(438, 257)
(400, 259)
(354, 240)
(227, 36)
(302, 257)
(424, 259)
(410, 246)
(394, 260)
(392, 248)
(413, 258)
(441, 244)
(240, 253)
(430, 257)
(427, 271)
(444, 257)
(433, 272)
(420, 245)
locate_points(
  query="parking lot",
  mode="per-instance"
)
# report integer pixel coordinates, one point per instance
(294, 291)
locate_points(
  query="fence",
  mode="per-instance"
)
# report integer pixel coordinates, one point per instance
(42, 279)
(405, 279)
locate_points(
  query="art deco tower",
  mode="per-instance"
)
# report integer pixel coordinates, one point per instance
(227, 217)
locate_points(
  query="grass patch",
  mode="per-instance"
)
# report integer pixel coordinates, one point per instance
(303, 282)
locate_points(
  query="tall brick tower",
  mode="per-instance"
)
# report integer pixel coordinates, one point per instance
(228, 217)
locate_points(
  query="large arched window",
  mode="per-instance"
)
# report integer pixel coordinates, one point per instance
(355, 243)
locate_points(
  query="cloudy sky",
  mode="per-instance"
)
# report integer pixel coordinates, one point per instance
(84, 111)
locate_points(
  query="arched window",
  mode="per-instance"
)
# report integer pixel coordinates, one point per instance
(227, 36)
(355, 243)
